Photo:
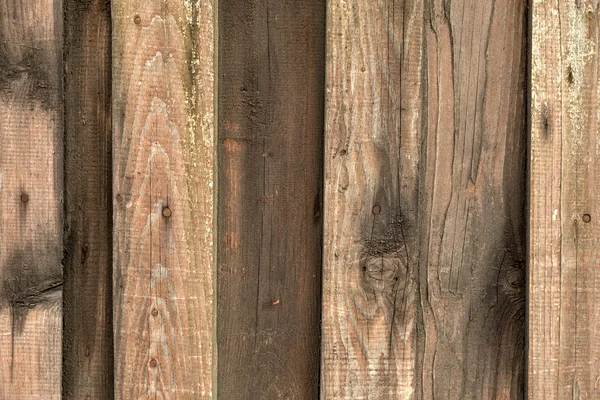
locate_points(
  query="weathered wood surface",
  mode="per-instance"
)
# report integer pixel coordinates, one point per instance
(424, 244)
(87, 342)
(564, 302)
(31, 197)
(163, 152)
(270, 183)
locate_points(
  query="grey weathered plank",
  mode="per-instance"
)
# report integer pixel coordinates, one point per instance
(564, 312)
(31, 197)
(270, 186)
(163, 152)
(87, 341)
(424, 241)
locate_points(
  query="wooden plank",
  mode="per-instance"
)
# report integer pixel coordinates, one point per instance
(87, 341)
(370, 289)
(163, 145)
(424, 200)
(270, 184)
(31, 198)
(564, 210)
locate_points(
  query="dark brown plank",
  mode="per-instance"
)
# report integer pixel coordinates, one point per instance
(31, 186)
(564, 211)
(424, 237)
(270, 176)
(87, 341)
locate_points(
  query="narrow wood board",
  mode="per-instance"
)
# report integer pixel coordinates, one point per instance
(87, 338)
(270, 188)
(424, 239)
(564, 210)
(31, 197)
(163, 168)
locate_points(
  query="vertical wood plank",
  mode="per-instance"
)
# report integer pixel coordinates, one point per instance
(424, 200)
(31, 197)
(270, 184)
(370, 290)
(87, 341)
(473, 209)
(564, 229)
(163, 152)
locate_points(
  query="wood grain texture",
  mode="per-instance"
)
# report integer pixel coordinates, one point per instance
(31, 198)
(473, 241)
(564, 292)
(87, 341)
(270, 188)
(370, 285)
(424, 241)
(163, 145)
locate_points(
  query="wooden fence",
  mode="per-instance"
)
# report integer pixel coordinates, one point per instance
(277, 199)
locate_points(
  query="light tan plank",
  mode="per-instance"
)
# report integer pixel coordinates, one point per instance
(31, 198)
(564, 292)
(163, 143)
(424, 242)
(374, 67)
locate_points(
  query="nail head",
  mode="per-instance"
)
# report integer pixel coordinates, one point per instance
(376, 209)
(153, 363)
(24, 197)
(166, 212)
(154, 312)
(586, 218)
(137, 20)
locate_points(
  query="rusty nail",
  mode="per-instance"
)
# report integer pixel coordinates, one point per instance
(119, 198)
(376, 210)
(137, 20)
(153, 363)
(166, 212)
(587, 218)
(24, 197)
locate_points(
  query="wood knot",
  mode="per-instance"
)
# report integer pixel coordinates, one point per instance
(570, 77)
(515, 278)
(380, 274)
